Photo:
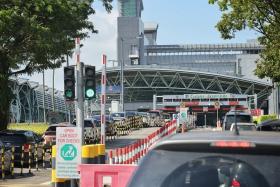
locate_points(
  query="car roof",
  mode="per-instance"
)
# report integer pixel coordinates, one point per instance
(244, 124)
(238, 112)
(257, 137)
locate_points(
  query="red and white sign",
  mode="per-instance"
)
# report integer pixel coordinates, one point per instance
(256, 112)
(192, 103)
(205, 109)
(217, 105)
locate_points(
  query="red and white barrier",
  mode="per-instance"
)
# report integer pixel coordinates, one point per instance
(132, 154)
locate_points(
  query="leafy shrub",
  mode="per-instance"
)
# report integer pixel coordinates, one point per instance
(262, 118)
(38, 128)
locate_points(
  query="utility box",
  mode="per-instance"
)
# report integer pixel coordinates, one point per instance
(115, 106)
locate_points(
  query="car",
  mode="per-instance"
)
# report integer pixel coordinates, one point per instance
(49, 135)
(23, 139)
(155, 118)
(7, 156)
(91, 131)
(269, 125)
(118, 116)
(110, 124)
(241, 117)
(212, 159)
(145, 118)
(166, 117)
(244, 127)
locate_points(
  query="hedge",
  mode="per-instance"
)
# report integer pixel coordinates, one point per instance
(262, 118)
(38, 128)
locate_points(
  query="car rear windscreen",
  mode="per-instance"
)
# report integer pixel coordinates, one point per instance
(14, 139)
(195, 169)
(230, 119)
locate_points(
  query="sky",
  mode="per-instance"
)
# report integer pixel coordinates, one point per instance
(180, 22)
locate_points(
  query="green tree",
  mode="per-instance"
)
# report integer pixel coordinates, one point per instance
(262, 16)
(35, 35)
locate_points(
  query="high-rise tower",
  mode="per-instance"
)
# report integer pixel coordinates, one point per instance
(130, 44)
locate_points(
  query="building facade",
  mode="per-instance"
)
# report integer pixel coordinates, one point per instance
(138, 49)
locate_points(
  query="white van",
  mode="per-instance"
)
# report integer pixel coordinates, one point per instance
(241, 117)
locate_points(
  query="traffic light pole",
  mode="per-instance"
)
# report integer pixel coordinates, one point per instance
(79, 91)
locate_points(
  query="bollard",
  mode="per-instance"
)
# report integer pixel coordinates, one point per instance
(36, 156)
(43, 157)
(110, 157)
(21, 159)
(13, 161)
(130, 154)
(3, 162)
(29, 158)
(124, 155)
(101, 154)
(120, 156)
(89, 154)
(117, 157)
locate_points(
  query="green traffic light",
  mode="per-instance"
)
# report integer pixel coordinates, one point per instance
(68, 93)
(90, 93)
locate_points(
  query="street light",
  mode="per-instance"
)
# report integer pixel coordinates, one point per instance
(122, 70)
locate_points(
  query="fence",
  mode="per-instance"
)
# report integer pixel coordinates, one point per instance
(131, 154)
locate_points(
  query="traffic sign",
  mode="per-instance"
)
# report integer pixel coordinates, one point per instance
(68, 155)
(175, 116)
(217, 104)
(68, 152)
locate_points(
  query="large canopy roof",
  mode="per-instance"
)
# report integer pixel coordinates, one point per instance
(141, 82)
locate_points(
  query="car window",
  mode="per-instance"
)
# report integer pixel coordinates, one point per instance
(163, 168)
(215, 171)
(36, 137)
(15, 139)
(246, 127)
(118, 114)
(51, 128)
(88, 123)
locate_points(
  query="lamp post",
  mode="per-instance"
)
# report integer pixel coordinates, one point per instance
(122, 70)
(122, 79)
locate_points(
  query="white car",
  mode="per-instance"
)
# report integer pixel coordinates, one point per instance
(244, 127)
(91, 131)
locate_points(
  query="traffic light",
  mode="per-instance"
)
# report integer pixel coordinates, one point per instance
(69, 83)
(90, 85)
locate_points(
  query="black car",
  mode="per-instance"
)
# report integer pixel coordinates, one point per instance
(7, 156)
(269, 125)
(23, 139)
(212, 159)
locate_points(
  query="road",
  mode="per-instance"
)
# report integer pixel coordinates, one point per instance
(43, 176)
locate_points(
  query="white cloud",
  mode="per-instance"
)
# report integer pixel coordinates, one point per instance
(93, 47)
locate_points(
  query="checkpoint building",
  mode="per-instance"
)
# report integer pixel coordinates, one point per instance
(152, 69)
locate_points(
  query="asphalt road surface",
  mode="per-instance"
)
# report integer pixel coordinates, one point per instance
(43, 176)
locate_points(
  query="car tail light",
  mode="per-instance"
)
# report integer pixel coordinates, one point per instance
(234, 144)
(235, 183)
(26, 147)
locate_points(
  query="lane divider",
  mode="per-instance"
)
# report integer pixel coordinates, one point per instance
(133, 153)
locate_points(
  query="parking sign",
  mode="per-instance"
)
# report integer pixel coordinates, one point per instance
(68, 154)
